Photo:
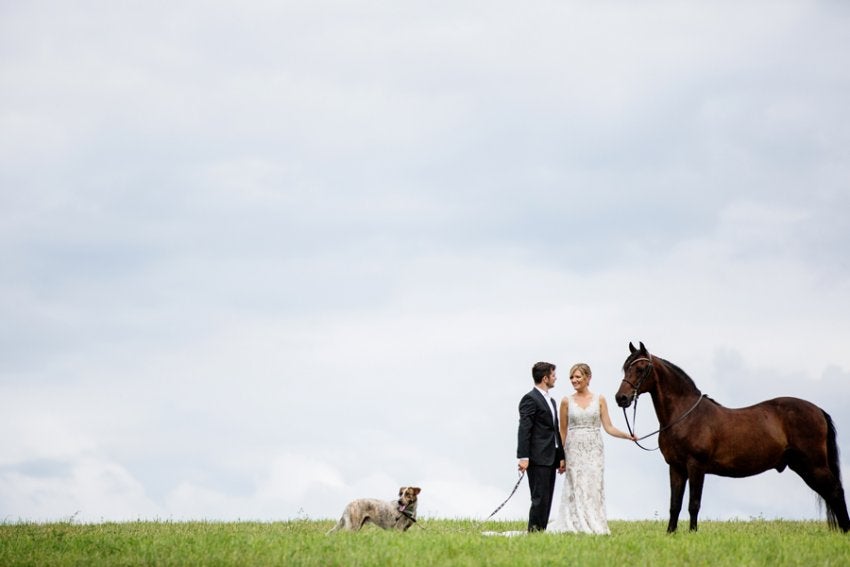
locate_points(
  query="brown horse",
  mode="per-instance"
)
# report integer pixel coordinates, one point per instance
(698, 436)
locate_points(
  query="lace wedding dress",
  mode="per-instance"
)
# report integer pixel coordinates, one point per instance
(582, 505)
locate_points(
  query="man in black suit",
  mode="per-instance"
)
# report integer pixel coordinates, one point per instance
(539, 448)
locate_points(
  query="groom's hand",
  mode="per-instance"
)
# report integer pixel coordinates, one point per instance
(522, 465)
(562, 468)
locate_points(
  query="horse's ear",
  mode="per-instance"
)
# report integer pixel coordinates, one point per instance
(632, 348)
(643, 348)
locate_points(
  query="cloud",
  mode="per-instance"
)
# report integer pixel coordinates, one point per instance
(261, 263)
(87, 489)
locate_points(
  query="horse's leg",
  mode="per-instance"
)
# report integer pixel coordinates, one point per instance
(828, 487)
(678, 477)
(839, 508)
(696, 479)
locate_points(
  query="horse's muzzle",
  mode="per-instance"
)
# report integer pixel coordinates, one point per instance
(623, 400)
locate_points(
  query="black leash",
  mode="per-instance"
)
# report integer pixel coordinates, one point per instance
(511, 495)
(412, 518)
(481, 523)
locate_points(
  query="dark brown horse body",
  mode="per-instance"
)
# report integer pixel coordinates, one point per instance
(699, 436)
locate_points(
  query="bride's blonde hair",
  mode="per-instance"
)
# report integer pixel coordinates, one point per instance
(583, 368)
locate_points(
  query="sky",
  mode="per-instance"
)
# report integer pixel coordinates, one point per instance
(262, 258)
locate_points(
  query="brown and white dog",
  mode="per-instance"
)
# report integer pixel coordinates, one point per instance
(396, 514)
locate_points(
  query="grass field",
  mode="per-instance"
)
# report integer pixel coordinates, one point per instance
(430, 542)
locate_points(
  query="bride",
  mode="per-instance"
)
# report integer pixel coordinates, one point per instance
(582, 505)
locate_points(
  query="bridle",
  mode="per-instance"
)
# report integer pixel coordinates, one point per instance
(635, 394)
(641, 378)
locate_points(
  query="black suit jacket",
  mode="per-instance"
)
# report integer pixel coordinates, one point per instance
(538, 437)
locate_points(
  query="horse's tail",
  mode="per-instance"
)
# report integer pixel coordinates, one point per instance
(834, 466)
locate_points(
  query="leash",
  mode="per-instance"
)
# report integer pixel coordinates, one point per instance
(659, 430)
(478, 525)
(412, 518)
(481, 523)
(511, 495)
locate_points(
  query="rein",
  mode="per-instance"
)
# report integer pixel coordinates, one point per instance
(636, 395)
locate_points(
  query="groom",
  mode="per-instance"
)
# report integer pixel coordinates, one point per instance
(539, 447)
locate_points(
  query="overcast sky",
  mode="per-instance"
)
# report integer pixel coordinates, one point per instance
(262, 258)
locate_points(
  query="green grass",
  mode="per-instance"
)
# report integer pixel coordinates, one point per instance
(430, 542)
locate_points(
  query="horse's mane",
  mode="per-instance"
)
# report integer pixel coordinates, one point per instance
(684, 376)
(679, 372)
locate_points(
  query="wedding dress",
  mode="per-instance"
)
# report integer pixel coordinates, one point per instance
(582, 505)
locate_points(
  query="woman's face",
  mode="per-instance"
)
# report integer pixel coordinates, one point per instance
(578, 379)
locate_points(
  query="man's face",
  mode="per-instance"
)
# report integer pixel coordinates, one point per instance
(550, 380)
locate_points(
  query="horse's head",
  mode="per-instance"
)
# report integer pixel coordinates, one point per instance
(638, 375)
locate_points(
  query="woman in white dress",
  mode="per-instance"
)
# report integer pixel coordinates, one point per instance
(582, 505)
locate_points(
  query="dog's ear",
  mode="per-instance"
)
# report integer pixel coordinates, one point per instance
(416, 490)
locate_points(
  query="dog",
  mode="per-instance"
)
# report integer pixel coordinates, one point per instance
(396, 514)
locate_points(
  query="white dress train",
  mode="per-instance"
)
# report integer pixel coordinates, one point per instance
(582, 505)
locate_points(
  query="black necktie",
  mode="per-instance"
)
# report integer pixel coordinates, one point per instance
(555, 421)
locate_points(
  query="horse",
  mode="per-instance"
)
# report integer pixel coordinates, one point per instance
(698, 436)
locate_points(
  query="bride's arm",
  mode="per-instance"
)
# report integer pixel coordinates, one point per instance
(606, 421)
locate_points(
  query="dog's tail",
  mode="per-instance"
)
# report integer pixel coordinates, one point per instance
(337, 527)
